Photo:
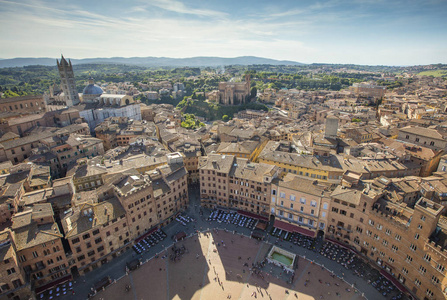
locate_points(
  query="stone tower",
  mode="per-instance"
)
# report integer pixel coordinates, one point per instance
(247, 87)
(247, 82)
(68, 83)
(331, 128)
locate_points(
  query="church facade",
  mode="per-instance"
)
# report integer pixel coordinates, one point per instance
(234, 93)
(93, 105)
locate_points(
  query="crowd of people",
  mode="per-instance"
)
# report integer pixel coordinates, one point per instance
(178, 252)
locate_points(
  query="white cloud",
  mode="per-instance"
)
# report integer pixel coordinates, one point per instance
(179, 7)
(291, 12)
(138, 9)
(37, 28)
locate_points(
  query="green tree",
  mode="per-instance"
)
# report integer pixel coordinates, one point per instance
(273, 86)
(9, 94)
(225, 118)
(253, 92)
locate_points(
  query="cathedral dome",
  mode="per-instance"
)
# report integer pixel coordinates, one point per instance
(92, 89)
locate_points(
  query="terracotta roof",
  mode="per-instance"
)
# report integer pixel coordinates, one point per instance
(243, 168)
(245, 147)
(348, 195)
(31, 234)
(8, 136)
(42, 210)
(40, 134)
(415, 150)
(37, 196)
(312, 187)
(160, 187)
(102, 213)
(425, 132)
(217, 162)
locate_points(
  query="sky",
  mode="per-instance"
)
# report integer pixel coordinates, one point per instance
(368, 32)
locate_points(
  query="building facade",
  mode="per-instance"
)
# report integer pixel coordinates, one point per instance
(43, 257)
(96, 233)
(427, 137)
(23, 104)
(369, 90)
(348, 215)
(12, 277)
(234, 93)
(227, 181)
(302, 203)
(96, 113)
(405, 243)
(399, 243)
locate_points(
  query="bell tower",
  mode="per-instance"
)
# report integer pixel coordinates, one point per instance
(247, 86)
(68, 83)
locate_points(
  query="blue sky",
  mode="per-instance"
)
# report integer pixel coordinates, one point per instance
(374, 32)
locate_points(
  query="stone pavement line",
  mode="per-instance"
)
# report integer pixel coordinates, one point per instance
(167, 277)
(298, 279)
(205, 273)
(304, 272)
(133, 287)
(249, 275)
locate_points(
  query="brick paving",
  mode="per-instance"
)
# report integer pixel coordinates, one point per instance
(198, 273)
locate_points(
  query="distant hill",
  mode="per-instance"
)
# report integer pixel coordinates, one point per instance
(200, 61)
(26, 61)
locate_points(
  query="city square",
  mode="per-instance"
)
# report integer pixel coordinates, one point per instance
(209, 271)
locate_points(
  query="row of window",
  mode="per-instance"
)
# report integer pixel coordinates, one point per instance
(299, 219)
(21, 106)
(258, 197)
(46, 252)
(432, 143)
(422, 270)
(90, 253)
(346, 203)
(342, 212)
(88, 185)
(312, 211)
(142, 200)
(312, 175)
(292, 197)
(5, 287)
(94, 232)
